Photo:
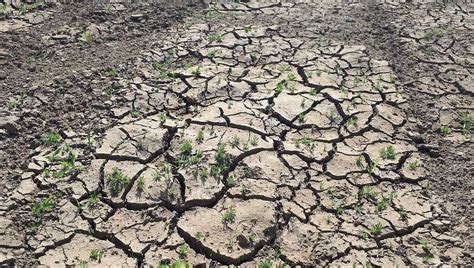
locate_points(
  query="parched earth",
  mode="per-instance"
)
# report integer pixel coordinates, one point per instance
(260, 135)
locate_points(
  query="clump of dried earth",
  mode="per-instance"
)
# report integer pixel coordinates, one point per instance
(258, 134)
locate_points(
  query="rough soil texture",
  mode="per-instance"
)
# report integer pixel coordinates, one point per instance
(269, 134)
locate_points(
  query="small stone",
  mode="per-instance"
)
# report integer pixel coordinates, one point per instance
(60, 37)
(69, 133)
(34, 167)
(137, 17)
(137, 80)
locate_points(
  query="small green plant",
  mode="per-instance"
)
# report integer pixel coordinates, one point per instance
(163, 117)
(445, 130)
(223, 160)
(352, 120)
(140, 184)
(248, 172)
(367, 192)
(254, 140)
(188, 156)
(135, 113)
(34, 227)
(3, 9)
(197, 71)
(376, 229)
(83, 264)
(183, 251)
(309, 143)
(413, 165)
(111, 72)
(382, 204)
(467, 123)
(163, 69)
(231, 181)
(140, 145)
(388, 153)
(52, 138)
(12, 105)
(301, 118)
(40, 209)
(403, 215)
(93, 200)
(281, 86)
(200, 236)
(215, 38)
(372, 167)
(204, 174)
(117, 181)
(254, 56)
(108, 7)
(291, 77)
(26, 8)
(87, 38)
(200, 136)
(66, 158)
(427, 258)
(284, 68)
(340, 210)
(163, 173)
(211, 54)
(265, 264)
(424, 245)
(96, 255)
(113, 89)
(248, 28)
(359, 162)
(228, 216)
(235, 142)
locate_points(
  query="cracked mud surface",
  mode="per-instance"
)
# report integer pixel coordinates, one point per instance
(244, 134)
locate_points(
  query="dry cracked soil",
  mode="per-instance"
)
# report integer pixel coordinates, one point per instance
(257, 134)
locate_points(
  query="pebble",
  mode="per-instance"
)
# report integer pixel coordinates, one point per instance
(137, 17)
(60, 37)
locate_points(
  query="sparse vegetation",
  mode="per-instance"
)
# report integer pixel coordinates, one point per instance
(135, 113)
(111, 72)
(87, 37)
(27, 8)
(140, 184)
(376, 229)
(467, 123)
(52, 138)
(96, 255)
(66, 158)
(222, 161)
(117, 181)
(387, 153)
(183, 251)
(93, 200)
(40, 209)
(413, 165)
(188, 155)
(216, 38)
(200, 136)
(228, 216)
(445, 130)
(164, 172)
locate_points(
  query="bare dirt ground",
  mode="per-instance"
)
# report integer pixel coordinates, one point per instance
(259, 135)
